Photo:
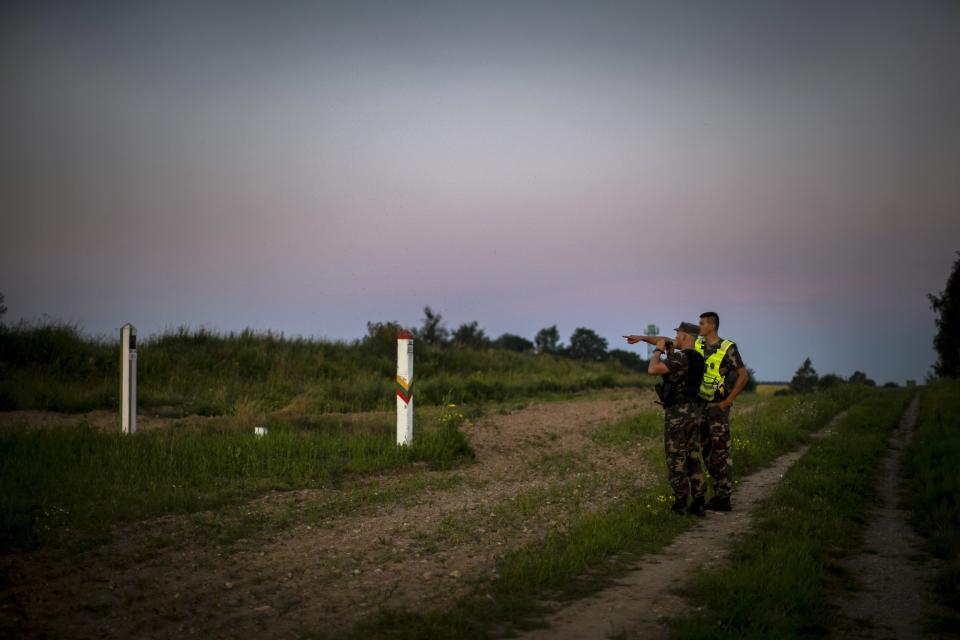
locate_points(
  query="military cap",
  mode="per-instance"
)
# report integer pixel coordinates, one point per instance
(689, 327)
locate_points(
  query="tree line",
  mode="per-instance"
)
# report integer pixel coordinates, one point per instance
(806, 379)
(584, 343)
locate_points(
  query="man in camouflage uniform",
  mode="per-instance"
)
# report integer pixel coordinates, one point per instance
(682, 373)
(725, 376)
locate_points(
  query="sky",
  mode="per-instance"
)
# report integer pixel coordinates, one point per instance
(309, 167)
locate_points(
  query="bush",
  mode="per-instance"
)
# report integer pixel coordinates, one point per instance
(859, 377)
(585, 344)
(829, 381)
(512, 342)
(805, 379)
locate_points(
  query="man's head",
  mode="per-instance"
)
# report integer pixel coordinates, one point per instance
(709, 323)
(686, 335)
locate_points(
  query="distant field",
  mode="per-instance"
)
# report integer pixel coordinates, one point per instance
(770, 388)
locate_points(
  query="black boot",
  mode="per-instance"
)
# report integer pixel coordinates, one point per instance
(697, 508)
(719, 503)
(679, 506)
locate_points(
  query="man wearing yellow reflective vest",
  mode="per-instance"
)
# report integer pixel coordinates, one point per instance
(724, 377)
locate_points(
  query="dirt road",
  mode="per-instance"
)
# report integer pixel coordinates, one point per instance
(893, 595)
(411, 539)
(635, 604)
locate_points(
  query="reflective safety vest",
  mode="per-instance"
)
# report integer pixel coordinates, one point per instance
(713, 383)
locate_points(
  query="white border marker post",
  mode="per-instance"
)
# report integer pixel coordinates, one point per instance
(404, 387)
(128, 379)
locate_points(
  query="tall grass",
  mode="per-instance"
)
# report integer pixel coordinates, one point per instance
(85, 480)
(184, 372)
(933, 492)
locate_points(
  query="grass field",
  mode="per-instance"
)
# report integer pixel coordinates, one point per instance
(766, 389)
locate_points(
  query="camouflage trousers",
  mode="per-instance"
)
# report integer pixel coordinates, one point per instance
(681, 443)
(715, 448)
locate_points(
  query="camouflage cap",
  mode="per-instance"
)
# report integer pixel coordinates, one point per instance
(689, 327)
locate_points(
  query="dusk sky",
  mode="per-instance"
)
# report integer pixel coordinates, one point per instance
(306, 168)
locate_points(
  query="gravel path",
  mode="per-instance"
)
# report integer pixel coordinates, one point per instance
(892, 599)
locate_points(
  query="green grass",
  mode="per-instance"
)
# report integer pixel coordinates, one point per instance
(184, 372)
(933, 494)
(629, 429)
(77, 482)
(777, 584)
(560, 463)
(594, 546)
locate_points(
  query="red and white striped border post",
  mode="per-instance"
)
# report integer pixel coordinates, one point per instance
(404, 387)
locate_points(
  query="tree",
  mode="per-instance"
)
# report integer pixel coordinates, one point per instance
(513, 342)
(382, 336)
(547, 340)
(828, 381)
(585, 344)
(947, 340)
(859, 377)
(3, 307)
(629, 359)
(751, 385)
(805, 379)
(433, 330)
(471, 335)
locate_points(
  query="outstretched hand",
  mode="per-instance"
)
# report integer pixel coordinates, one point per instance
(631, 339)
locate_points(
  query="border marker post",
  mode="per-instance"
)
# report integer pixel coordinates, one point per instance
(404, 387)
(128, 379)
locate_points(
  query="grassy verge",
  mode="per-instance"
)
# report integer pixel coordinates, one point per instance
(54, 367)
(933, 494)
(777, 583)
(582, 556)
(77, 482)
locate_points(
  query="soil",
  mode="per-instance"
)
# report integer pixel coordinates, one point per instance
(637, 603)
(323, 576)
